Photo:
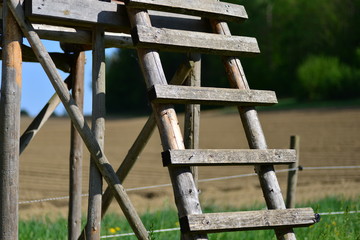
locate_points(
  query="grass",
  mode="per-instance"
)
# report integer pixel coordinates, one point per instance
(331, 227)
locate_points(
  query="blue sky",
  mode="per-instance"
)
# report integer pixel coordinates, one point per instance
(37, 89)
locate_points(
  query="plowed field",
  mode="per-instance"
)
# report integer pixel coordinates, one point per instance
(329, 137)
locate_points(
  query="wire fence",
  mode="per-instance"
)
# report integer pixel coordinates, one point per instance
(301, 168)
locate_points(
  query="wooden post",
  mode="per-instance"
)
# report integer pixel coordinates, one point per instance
(293, 174)
(192, 112)
(76, 151)
(98, 128)
(79, 122)
(185, 191)
(10, 125)
(254, 133)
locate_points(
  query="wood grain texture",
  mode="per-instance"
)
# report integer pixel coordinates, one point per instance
(211, 96)
(187, 41)
(11, 81)
(293, 174)
(207, 9)
(79, 122)
(76, 151)
(249, 220)
(209, 157)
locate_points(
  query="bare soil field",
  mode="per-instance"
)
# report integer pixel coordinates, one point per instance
(329, 137)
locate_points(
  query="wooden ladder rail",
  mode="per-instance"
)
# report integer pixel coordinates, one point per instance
(185, 191)
(254, 134)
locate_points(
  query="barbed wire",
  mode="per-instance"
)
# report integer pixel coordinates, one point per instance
(200, 180)
(177, 229)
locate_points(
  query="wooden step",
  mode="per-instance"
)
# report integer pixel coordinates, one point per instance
(207, 9)
(211, 96)
(207, 157)
(249, 220)
(187, 41)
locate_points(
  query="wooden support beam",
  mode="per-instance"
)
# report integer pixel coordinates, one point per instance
(254, 134)
(248, 220)
(211, 96)
(187, 41)
(192, 112)
(11, 82)
(185, 191)
(109, 15)
(79, 122)
(98, 128)
(207, 9)
(207, 157)
(76, 151)
(293, 174)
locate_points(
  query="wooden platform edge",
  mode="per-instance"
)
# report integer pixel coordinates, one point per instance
(248, 220)
(223, 157)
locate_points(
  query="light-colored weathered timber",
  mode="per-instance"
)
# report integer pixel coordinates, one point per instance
(111, 16)
(211, 157)
(293, 174)
(79, 122)
(187, 41)
(254, 134)
(98, 128)
(207, 9)
(76, 151)
(11, 82)
(192, 112)
(185, 191)
(211, 96)
(248, 220)
(83, 13)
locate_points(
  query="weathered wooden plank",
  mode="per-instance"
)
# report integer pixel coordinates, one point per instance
(293, 174)
(187, 41)
(254, 134)
(249, 220)
(79, 122)
(11, 82)
(185, 191)
(210, 157)
(110, 15)
(76, 151)
(78, 13)
(211, 96)
(206, 9)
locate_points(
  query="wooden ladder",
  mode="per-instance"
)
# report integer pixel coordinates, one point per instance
(194, 224)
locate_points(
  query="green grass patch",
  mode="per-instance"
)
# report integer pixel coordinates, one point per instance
(331, 227)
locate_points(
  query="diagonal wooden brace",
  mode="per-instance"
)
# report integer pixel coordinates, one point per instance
(79, 122)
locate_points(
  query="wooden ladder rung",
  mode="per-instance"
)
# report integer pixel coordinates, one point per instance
(211, 157)
(207, 9)
(248, 220)
(187, 41)
(211, 96)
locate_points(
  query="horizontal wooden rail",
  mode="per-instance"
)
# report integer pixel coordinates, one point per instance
(211, 96)
(187, 41)
(207, 9)
(207, 157)
(248, 220)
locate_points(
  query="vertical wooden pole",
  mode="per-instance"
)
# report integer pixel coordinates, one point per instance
(192, 111)
(293, 174)
(76, 151)
(10, 125)
(185, 191)
(255, 136)
(79, 122)
(98, 128)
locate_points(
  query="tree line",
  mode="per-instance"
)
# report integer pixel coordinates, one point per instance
(310, 50)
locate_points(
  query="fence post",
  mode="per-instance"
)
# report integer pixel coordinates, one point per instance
(10, 125)
(293, 174)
